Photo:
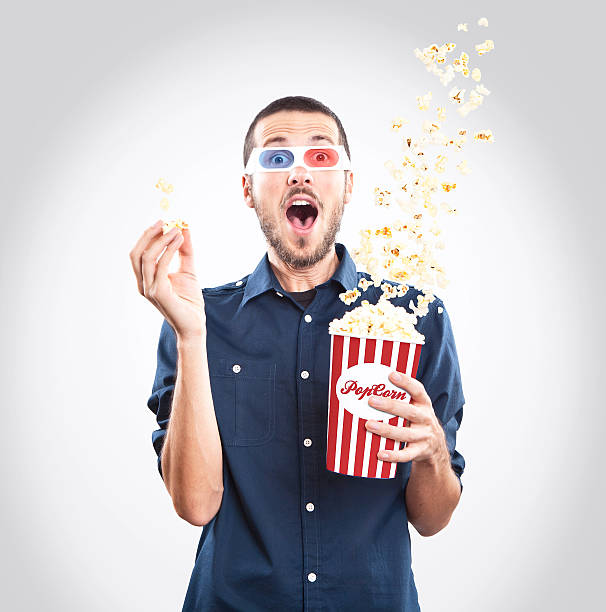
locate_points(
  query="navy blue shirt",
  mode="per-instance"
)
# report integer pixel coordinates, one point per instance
(290, 534)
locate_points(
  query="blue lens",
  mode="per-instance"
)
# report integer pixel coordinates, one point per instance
(276, 159)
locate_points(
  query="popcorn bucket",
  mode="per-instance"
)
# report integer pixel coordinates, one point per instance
(359, 368)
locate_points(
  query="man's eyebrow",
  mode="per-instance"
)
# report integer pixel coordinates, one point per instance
(279, 139)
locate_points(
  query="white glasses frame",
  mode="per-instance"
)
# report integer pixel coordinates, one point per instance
(254, 165)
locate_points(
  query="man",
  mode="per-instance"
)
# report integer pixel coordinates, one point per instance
(241, 393)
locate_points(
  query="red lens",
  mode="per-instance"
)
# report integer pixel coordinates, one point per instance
(317, 158)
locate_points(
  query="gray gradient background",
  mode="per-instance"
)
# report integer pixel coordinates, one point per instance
(99, 101)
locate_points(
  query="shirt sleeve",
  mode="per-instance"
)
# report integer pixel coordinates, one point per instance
(160, 400)
(439, 372)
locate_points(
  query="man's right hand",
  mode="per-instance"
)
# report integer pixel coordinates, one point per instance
(177, 295)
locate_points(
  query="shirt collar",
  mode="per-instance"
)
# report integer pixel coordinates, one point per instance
(263, 278)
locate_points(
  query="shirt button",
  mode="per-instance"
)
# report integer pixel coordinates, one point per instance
(304, 374)
(238, 283)
(311, 577)
(236, 368)
(307, 318)
(278, 293)
(309, 507)
(307, 442)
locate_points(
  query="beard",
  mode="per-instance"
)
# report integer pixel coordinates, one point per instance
(291, 257)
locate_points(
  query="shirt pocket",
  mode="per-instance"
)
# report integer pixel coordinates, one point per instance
(244, 399)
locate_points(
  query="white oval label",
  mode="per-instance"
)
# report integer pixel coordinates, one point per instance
(360, 382)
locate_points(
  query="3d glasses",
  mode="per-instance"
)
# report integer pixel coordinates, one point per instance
(282, 159)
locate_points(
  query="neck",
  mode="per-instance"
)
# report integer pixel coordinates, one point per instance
(303, 279)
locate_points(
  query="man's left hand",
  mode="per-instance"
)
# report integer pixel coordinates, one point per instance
(426, 442)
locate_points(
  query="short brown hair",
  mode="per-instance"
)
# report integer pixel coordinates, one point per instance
(292, 103)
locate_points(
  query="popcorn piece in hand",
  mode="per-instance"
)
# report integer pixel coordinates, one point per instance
(168, 225)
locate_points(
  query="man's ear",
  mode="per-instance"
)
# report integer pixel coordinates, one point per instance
(247, 187)
(348, 187)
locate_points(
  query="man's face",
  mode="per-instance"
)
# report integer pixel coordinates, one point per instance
(287, 228)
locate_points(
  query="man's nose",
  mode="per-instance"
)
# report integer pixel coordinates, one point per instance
(300, 175)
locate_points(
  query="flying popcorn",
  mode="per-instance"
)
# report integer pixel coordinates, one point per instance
(462, 26)
(350, 296)
(430, 127)
(482, 21)
(404, 252)
(476, 97)
(485, 135)
(163, 186)
(382, 197)
(397, 123)
(167, 188)
(456, 95)
(364, 283)
(423, 101)
(440, 165)
(485, 47)
(463, 168)
(460, 64)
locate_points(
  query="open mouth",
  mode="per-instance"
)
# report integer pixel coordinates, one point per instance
(301, 215)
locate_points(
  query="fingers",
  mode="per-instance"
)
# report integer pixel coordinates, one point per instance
(186, 253)
(417, 413)
(136, 252)
(400, 456)
(161, 278)
(399, 434)
(150, 256)
(414, 387)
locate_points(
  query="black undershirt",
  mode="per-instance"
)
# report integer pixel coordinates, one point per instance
(303, 297)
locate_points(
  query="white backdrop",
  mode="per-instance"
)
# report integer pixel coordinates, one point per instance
(101, 101)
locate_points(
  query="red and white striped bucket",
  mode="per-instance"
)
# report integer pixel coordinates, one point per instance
(359, 368)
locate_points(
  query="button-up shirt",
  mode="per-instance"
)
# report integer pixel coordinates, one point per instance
(291, 534)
